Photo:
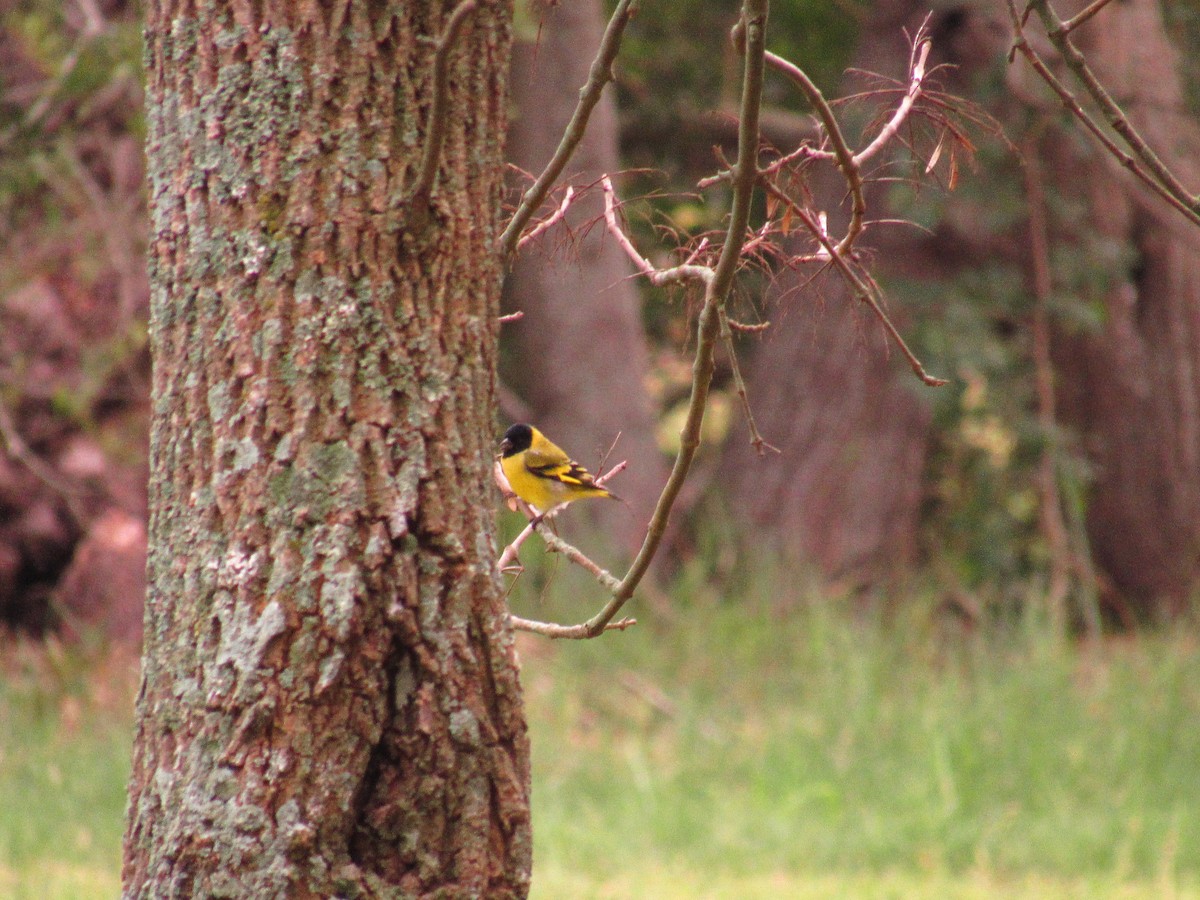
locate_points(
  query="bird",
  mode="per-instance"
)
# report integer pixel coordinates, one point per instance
(541, 473)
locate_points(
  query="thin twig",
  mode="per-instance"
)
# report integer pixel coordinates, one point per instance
(718, 283)
(696, 251)
(1083, 15)
(1113, 113)
(746, 327)
(511, 317)
(753, 24)
(553, 541)
(567, 632)
(36, 110)
(841, 150)
(1053, 525)
(16, 448)
(599, 75)
(864, 292)
(1068, 546)
(577, 556)
(916, 80)
(804, 151)
(1022, 46)
(435, 127)
(547, 222)
(739, 385)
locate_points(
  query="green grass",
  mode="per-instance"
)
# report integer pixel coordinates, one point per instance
(725, 749)
(740, 752)
(64, 761)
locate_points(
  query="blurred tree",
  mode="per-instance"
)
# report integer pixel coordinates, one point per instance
(1129, 385)
(1071, 453)
(579, 358)
(329, 704)
(847, 490)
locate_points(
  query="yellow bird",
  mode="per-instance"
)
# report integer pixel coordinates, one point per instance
(541, 474)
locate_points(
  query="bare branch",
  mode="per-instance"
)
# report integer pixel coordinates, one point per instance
(849, 163)
(747, 327)
(916, 79)
(1156, 174)
(567, 632)
(589, 96)
(658, 277)
(867, 294)
(577, 556)
(740, 242)
(547, 222)
(1113, 113)
(756, 439)
(512, 552)
(16, 448)
(1053, 527)
(553, 541)
(1083, 15)
(841, 150)
(718, 282)
(1064, 558)
(753, 25)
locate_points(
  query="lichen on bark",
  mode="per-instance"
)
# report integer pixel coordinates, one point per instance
(330, 704)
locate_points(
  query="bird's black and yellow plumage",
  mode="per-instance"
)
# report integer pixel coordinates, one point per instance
(541, 473)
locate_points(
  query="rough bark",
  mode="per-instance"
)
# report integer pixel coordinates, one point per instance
(1131, 388)
(844, 492)
(330, 703)
(580, 354)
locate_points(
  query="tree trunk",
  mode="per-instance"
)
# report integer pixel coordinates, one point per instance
(844, 491)
(580, 356)
(1131, 387)
(330, 703)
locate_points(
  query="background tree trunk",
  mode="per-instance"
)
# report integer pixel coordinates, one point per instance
(1131, 387)
(580, 357)
(330, 704)
(845, 490)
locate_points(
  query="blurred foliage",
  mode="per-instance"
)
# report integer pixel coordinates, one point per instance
(679, 81)
(1183, 24)
(678, 65)
(74, 362)
(982, 529)
(71, 185)
(66, 77)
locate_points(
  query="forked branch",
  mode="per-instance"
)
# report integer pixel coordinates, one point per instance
(1140, 159)
(848, 162)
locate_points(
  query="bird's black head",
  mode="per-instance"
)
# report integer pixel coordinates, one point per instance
(516, 439)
